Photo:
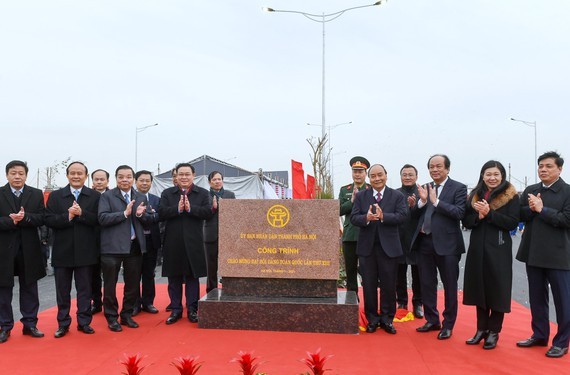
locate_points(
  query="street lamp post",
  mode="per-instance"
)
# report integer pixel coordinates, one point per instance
(323, 19)
(137, 131)
(532, 124)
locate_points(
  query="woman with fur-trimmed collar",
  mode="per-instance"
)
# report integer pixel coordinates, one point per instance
(492, 211)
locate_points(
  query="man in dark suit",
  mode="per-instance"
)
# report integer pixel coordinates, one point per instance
(145, 301)
(409, 178)
(439, 243)
(378, 212)
(122, 213)
(217, 193)
(21, 214)
(184, 208)
(545, 248)
(346, 196)
(72, 214)
(100, 179)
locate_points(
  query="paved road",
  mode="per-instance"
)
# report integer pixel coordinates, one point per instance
(520, 286)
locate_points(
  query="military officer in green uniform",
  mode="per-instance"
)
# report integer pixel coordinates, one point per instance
(359, 166)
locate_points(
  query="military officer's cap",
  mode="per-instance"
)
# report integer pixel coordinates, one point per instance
(359, 162)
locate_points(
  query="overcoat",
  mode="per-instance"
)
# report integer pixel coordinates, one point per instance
(24, 234)
(183, 246)
(488, 266)
(75, 241)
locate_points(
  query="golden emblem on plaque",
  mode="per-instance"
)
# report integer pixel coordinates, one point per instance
(278, 216)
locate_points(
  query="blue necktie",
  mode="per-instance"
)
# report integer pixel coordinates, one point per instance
(76, 193)
(133, 235)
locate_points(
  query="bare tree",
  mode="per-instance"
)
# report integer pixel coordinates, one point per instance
(320, 160)
(52, 171)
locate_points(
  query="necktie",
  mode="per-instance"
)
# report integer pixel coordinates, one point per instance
(76, 194)
(429, 212)
(378, 197)
(17, 193)
(133, 235)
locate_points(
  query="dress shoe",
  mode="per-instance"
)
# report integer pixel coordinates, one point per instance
(388, 327)
(4, 336)
(129, 322)
(371, 327)
(444, 334)
(491, 340)
(402, 306)
(173, 318)
(193, 316)
(86, 329)
(115, 326)
(532, 342)
(61, 331)
(136, 311)
(150, 309)
(479, 335)
(168, 308)
(96, 309)
(556, 352)
(32, 331)
(418, 312)
(429, 327)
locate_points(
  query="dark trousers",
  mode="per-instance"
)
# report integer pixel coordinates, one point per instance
(211, 265)
(350, 265)
(378, 266)
(63, 278)
(96, 285)
(29, 305)
(429, 263)
(147, 274)
(489, 320)
(559, 280)
(192, 293)
(402, 285)
(111, 265)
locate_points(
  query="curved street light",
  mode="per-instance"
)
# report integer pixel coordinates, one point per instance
(138, 130)
(323, 19)
(532, 124)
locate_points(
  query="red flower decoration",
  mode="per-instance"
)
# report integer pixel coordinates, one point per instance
(132, 364)
(187, 365)
(247, 363)
(316, 363)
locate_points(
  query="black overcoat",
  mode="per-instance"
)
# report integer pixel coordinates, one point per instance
(183, 246)
(488, 266)
(75, 241)
(24, 235)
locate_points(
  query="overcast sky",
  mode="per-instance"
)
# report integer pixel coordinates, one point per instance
(224, 78)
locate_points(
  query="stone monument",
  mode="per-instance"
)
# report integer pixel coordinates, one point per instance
(279, 262)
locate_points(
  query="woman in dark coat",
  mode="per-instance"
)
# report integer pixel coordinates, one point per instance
(492, 211)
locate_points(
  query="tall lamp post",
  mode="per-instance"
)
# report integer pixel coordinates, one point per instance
(138, 130)
(532, 124)
(323, 19)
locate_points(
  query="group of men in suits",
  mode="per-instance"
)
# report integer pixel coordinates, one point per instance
(382, 214)
(103, 231)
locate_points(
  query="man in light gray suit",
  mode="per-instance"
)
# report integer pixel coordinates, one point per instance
(122, 213)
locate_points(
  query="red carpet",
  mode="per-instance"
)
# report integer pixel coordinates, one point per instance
(407, 352)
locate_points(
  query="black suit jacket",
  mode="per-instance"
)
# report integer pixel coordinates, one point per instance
(22, 236)
(546, 237)
(211, 225)
(446, 220)
(75, 241)
(152, 225)
(393, 205)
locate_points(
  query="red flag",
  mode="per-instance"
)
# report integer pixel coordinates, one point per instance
(310, 187)
(298, 177)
